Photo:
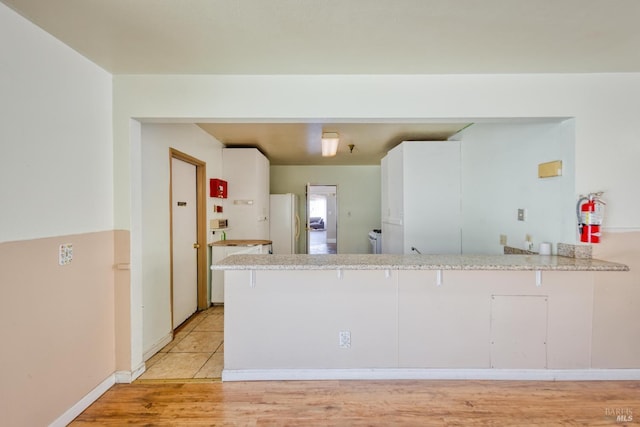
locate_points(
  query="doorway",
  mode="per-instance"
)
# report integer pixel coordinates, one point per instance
(322, 219)
(188, 257)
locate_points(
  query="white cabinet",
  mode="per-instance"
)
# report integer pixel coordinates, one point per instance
(392, 173)
(392, 198)
(421, 198)
(247, 172)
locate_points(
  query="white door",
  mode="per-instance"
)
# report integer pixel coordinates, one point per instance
(184, 238)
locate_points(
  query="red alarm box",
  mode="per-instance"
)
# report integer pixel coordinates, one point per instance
(218, 188)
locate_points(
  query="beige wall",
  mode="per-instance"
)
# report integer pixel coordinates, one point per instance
(616, 316)
(58, 325)
(122, 291)
(358, 199)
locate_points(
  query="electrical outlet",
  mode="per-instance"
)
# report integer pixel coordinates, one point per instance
(65, 254)
(522, 214)
(503, 239)
(344, 339)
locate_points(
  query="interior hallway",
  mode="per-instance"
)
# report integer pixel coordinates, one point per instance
(197, 350)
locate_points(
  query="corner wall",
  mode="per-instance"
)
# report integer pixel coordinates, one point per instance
(56, 187)
(500, 175)
(156, 278)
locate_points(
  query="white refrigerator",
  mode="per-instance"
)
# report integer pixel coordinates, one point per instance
(284, 223)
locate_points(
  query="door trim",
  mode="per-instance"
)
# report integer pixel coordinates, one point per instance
(201, 225)
(308, 193)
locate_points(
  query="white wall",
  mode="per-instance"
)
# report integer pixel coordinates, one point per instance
(604, 106)
(56, 135)
(358, 199)
(156, 141)
(500, 175)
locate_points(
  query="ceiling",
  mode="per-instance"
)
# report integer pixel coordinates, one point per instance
(299, 143)
(343, 37)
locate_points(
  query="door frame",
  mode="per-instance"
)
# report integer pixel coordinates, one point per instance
(308, 192)
(201, 226)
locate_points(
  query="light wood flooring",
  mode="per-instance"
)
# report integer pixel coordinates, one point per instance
(182, 387)
(371, 403)
(197, 349)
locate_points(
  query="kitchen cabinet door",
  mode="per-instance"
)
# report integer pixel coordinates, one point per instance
(395, 186)
(392, 198)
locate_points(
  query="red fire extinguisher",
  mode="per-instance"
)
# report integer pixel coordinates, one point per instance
(590, 210)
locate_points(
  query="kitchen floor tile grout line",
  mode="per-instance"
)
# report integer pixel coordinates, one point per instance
(161, 369)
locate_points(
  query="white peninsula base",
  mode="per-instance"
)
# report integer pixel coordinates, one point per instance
(320, 323)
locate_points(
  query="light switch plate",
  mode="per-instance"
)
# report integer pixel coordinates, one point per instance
(65, 254)
(522, 214)
(344, 339)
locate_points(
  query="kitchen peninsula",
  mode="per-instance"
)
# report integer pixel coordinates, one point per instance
(223, 248)
(411, 316)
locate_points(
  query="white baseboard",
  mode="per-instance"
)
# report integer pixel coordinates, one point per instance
(123, 377)
(127, 377)
(431, 374)
(157, 346)
(71, 413)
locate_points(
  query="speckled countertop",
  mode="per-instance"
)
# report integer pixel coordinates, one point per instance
(414, 262)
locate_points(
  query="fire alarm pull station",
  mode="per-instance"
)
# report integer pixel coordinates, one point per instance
(218, 188)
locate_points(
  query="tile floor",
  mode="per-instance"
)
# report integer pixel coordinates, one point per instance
(195, 352)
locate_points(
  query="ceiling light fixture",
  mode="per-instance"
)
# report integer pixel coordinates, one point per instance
(329, 144)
